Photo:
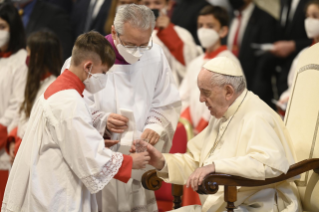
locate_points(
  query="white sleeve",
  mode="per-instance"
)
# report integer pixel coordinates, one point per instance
(16, 97)
(84, 151)
(166, 105)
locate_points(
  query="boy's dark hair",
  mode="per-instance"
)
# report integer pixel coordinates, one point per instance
(218, 12)
(17, 35)
(92, 44)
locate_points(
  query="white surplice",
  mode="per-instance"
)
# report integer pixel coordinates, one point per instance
(148, 89)
(190, 52)
(13, 76)
(189, 91)
(62, 160)
(250, 141)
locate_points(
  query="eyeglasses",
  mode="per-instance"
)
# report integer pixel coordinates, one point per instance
(134, 48)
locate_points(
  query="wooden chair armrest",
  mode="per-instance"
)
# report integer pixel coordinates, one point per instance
(151, 181)
(212, 181)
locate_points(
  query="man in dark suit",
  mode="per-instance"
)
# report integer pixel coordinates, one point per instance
(38, 15)
(252, 25)
(292, 38)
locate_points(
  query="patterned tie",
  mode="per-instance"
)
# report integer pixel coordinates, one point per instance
(235, 48)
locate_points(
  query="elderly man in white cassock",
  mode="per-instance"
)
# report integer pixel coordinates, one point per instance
(140, 100)
(244, 137)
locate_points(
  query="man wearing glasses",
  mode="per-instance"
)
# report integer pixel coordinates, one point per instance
(140, 100)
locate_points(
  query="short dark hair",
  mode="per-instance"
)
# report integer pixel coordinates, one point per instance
(17, 35)
(218, 12)
(93, 42)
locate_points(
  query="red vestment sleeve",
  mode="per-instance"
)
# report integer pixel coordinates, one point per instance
(3, 136)
(173, 42)
(201, 125)
(125, 171)
(186, 114)
(17, 145)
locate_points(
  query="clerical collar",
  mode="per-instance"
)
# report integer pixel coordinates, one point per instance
(119, 59)
(233, 108)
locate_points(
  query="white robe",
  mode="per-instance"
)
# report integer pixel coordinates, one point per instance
(13, 77)
(253, 143)
(62, 160)
(190, 52)
(147, 88)
(189, 90)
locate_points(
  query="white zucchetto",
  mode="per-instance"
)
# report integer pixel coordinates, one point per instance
(225, 66)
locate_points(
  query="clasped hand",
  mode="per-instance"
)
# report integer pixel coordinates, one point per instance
(196, 179)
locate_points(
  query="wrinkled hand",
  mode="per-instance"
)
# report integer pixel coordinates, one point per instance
(151, 136)
(140, 160)
(109, 143)
(163, 21)
(198, 176)
(116, 123)
(283, 48)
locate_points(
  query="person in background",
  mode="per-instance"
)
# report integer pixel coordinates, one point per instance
(292, 38)
(185, 15)
(112, 11)
(45, 62)
(312, 30)
(38, 14)
(212, 28)
(67, 5)
(13, 74)
(178, 44)
(250, 26)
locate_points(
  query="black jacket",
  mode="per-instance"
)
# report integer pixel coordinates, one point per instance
(48, 16)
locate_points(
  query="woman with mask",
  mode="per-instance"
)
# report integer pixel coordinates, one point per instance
(13, 71)
(45, 53)
(312, 30)
(212, 27)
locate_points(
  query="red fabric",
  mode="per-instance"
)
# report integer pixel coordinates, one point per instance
(5, 54)
(213, 54)
(11, 138)
(235, 48)
(190, 197)
(17, 145)
(46, 75)
(125, 171)
(3, 136)
(186, 114)
(164, 195)
(201, 125)
(173, 42)
(66, 81)
(3, 182)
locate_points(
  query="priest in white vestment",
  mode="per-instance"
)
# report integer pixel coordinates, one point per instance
(212, 28)
(245, 137)
(140, 99)
(62, 161)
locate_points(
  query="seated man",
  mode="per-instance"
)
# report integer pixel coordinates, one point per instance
(212, 28)
(62, 161)
(245, 137)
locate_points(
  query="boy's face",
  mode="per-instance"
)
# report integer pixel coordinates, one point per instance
(155, 4)
(96, 67)
(209, 22)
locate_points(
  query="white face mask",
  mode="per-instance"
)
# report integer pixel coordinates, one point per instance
(130, 55)
(312, 27)
(207, 37)
(4, 37)
(96, 82)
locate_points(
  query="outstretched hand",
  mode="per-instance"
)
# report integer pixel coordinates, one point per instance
(109, 143)
(198, 176)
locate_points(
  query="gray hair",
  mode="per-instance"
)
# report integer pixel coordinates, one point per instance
(238, 83)
(138, 16)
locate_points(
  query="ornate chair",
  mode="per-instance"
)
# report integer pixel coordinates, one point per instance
(302, 121)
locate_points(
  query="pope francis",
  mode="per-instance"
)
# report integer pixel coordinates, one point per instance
(244, 137)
